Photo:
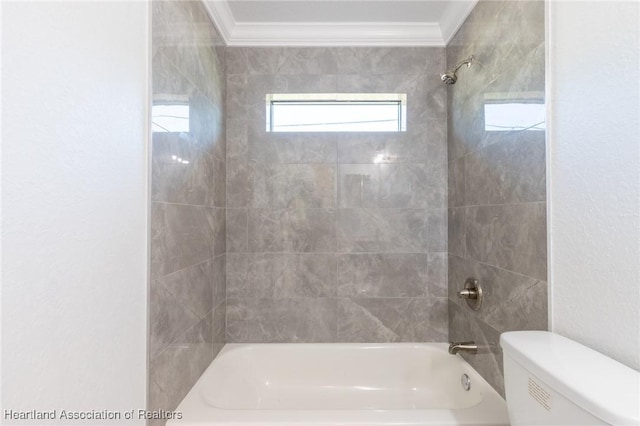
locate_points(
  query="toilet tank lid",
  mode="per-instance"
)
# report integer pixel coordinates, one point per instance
(600, 385)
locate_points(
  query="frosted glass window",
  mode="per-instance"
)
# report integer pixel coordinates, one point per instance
(377, 112)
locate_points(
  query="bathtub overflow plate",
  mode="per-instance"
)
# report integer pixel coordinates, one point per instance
(466, 382)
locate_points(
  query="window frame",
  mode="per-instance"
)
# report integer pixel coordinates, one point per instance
(397, 99)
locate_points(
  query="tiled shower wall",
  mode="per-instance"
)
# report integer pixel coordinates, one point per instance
(336, 236)
(187, 293)
(497, 208)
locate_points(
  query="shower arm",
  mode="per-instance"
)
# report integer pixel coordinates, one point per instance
(466, 62)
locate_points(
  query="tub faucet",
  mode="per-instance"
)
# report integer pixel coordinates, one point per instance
(470, 347)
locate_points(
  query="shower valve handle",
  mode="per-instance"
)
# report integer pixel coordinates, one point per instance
(468, 294)
(472, 292)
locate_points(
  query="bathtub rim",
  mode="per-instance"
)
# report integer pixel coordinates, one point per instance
(491, 410)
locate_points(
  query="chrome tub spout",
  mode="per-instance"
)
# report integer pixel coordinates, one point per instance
(469, 347)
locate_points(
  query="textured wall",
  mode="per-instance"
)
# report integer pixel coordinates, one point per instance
(497, 208)
(336, 236)
(187, 294)
(595, 164)
(74, 206)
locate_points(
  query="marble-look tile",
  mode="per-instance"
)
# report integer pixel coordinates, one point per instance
(500, 236)
(312, 83)
(283, 61)
(219, 280)
(292, 230)
(182, 235)
(405, 186)
(258, 87)
(437, 230)
(358, 185)
(236, 60)
(291, 216)
(456, 182)
(282, 186)
(513, 237)
(205, 121)
(238, 183)
(382, 230)
(458, 270)
(176, 182)
(167, 79)
(511, 301)
(437, 275)
(511, 171)
(410, 84)
(182, 24)
(437, 186)
(201, 66)
(392, 320)
(174, 371)
(237, 139)
(280, 275)
(219, 231)
(381, 60)
(194, 286)
(218, 323)
(168, 318)
(291, 148)
(237, 238)
(188, 229)
(436, 98)
(159, 399)
(378, 148)
(301, 320)
(525, 311)
(383, 275)
(236, 102)
(488, 360)
(465, 125)
(457, 240)
(218, 183)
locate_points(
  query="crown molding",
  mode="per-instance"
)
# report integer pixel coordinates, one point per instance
(454, 17)
(221, 15)
(337, 34)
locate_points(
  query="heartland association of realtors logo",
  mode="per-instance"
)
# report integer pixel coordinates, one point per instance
(133, 414)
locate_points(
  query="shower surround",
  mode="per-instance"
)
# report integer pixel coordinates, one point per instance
(187, 289)
(342, 237)
(497, 195)
(336, 237)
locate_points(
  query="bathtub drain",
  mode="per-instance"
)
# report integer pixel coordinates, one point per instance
(466, 382)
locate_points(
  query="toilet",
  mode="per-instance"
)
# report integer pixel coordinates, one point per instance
(552, 380)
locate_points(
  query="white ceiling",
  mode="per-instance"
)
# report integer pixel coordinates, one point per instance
(338, 22)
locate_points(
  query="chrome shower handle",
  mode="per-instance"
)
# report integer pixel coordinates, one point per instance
(468, 293)
(472, 292)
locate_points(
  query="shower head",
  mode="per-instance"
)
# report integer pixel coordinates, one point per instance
(450, 76)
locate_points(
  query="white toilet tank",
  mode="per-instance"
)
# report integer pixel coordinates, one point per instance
(552, 380)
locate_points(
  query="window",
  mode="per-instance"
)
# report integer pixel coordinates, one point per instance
(507, 112)
(170, 113)
(336, 112)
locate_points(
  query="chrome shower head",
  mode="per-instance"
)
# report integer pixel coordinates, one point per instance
(450, 76)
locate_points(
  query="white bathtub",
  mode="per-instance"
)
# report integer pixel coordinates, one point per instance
(340, 384)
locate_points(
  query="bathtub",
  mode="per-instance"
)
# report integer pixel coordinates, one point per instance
(339, 384)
